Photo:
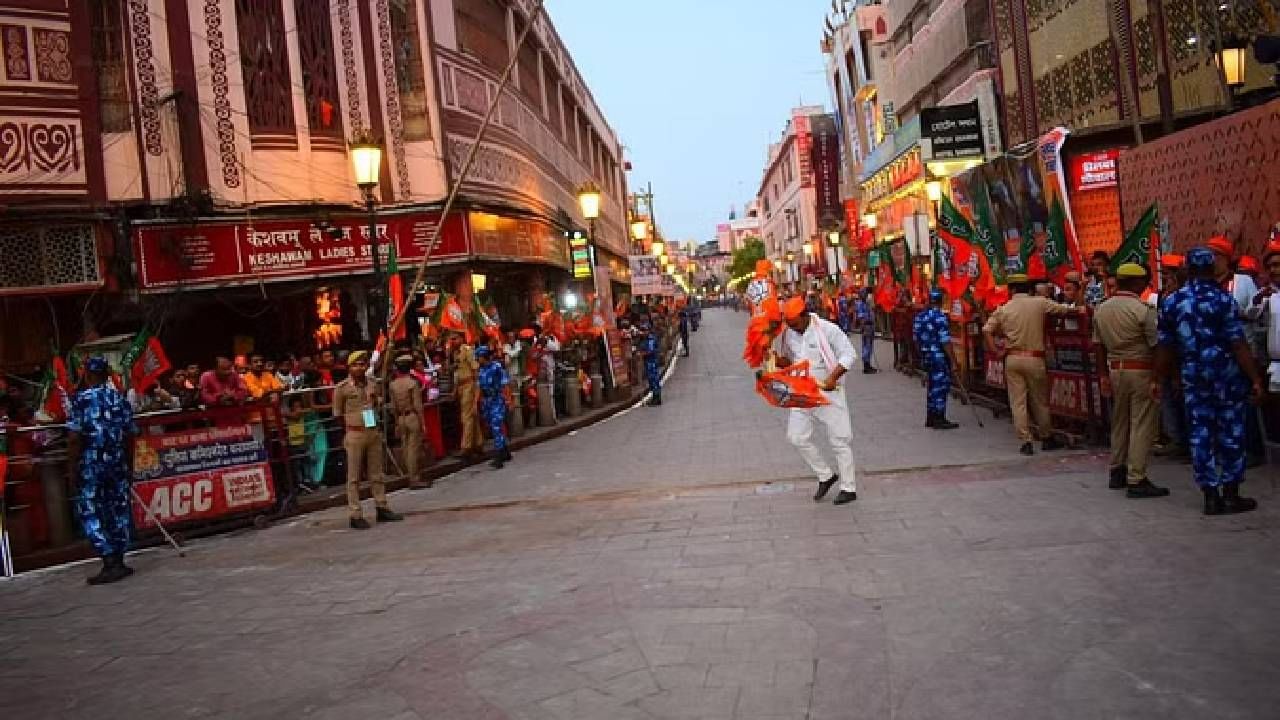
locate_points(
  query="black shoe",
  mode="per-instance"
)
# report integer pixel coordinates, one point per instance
(1212, 501)
(1052, 443)
(360, 524)
(1145, 489)
(497, 463)
(942, 423)
(1232, 503)
(388, 515)
(931, 420)
(1027, 449)
(824, 487)
(845, 497)
(507, 456)
(1118, 479)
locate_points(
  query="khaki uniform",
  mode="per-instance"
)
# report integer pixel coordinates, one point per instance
(406, 404)
(1126, 326)
(1021, 321)
(363, 445)
(464, 379)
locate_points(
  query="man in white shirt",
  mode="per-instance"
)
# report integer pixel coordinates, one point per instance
(830, 355)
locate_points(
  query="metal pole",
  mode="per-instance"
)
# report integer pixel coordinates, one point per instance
(377, 313)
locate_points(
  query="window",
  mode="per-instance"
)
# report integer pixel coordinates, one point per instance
(482, 32)
(264, 58)
(411, 80)
(319, 74)
(109, 62)
(555, 102)
(530, 74)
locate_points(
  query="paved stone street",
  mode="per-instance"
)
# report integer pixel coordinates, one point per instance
(669, 563)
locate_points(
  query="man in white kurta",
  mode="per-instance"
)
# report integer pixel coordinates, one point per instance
(830, 356)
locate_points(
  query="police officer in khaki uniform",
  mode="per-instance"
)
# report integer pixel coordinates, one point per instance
(406, 403)
(465, 369)
(357, 401)
(1021, 322)
(1126, 326)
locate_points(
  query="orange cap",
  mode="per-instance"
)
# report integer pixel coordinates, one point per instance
(1222, 244)
(1172, 261)
(1249, 263)
(794, 308)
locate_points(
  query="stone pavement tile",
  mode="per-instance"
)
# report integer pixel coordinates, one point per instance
(775, 701)
(692, 703)
(683, 675)
(741, 674)
(610, 666)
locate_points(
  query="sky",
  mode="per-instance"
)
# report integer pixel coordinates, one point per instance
(696, 90)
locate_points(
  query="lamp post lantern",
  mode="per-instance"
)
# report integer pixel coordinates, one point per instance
(589, 199)
(366, 163)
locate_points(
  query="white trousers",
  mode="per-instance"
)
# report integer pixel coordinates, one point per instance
(834, 419)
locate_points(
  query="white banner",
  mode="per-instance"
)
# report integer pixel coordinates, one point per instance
(646, 276)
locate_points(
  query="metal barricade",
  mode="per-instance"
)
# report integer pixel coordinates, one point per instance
(1077, 385)
(906, 356)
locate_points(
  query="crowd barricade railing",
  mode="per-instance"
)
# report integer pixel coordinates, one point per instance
(906, 356)
(984, 375)
(1078, 387)
(193, 470)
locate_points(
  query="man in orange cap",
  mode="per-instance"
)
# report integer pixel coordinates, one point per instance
(830, 356)
(1236, 280)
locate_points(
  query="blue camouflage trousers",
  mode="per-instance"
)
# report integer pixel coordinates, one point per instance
(651, 369)
(102, 506)
(868, 347)
(1215, 432)
(493, 410)
(939, 381)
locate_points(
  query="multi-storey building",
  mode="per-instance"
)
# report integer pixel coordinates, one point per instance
(799, 195)
(185, 165)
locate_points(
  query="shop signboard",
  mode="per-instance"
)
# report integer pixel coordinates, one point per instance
(1094, 171)
(826, 166)
(516, 239)
(580, 252)
(804, 149)
(212, 253)
(646, 275)
(200, 474)
(951, 131)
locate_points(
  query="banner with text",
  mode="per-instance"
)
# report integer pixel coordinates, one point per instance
(200, 474)
(646, 276)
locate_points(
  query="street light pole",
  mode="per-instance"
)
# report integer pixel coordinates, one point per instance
(366, 158)
(379, 313)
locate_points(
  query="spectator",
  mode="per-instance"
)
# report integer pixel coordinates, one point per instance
(260, 382)
(1096, 291)
(286, 373)
(153, 399)
(222, 385)
(184, 389)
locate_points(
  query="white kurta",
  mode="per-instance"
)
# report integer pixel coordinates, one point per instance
(824, 345)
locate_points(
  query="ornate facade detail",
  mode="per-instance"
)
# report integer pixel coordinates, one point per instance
(53, 55)
(144, 64)
(223, 126)
(389, 86)
(17, 56)
(347, 37)
(39, 147)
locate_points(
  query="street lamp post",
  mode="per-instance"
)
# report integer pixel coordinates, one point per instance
(366, 160)
(589, 202)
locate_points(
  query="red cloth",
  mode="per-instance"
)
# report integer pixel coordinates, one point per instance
(212, 388)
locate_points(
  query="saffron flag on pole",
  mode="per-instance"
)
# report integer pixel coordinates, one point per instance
(395, 294)
(956, 238)
(145, 361)
(1141, 245)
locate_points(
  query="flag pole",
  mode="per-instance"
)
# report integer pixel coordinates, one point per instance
(464, 170)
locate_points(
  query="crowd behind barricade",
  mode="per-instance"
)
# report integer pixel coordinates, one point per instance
(327, 419)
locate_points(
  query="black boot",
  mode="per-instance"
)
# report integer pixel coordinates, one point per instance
(845, 497)
(1232, 503)
(359, 524)
(113, 570)
(387, 515)
(1052, 443)
(931, 420)
(1212, 501)
(1119, 478)
(940, 422)
(1027, 449)
(498, 461)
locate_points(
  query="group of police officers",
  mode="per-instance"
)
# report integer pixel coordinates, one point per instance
(1193, 340)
